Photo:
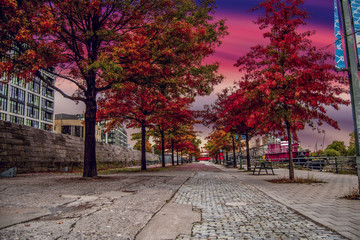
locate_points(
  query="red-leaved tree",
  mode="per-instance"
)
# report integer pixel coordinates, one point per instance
(171, 65)
(235, 115)
(96, 44)
(168, 120)
(132, 105)
(288, 82)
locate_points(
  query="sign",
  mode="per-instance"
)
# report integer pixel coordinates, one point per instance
(339, 50)
(355, 6)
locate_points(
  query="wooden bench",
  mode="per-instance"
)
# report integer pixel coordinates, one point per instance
(266, 165)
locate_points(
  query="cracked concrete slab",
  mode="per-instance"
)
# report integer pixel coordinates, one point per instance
(13, 215)
(171, 221)
(69, 207)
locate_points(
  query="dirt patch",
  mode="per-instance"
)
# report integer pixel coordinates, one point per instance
(296, 180)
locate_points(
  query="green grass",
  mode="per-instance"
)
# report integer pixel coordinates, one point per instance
(134, 169)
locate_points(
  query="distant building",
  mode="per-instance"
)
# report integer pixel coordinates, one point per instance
(115, 136)
(30, 104)
(74, 125)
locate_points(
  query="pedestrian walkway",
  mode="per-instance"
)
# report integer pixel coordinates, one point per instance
(215, 202)
(233, 209)
(321, 202)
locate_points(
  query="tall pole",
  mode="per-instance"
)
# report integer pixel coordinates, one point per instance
(353, 75)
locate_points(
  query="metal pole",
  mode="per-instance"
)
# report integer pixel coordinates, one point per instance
(353, 75)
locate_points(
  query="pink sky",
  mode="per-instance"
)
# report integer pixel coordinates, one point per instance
(243, 34)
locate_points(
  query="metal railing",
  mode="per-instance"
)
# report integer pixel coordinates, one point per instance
(330, 164)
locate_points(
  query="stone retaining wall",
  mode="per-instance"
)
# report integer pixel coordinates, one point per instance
(34, 150)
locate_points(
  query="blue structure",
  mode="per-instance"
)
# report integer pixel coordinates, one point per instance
(339, 49)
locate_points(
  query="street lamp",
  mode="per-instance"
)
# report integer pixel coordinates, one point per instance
(352, 60)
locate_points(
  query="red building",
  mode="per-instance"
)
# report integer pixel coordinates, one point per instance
(280, 151)
(204, 156)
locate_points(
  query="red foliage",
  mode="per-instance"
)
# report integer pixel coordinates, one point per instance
(287, 82)
(98, 44)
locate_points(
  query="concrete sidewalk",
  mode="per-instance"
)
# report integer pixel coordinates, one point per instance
(194, 201)
(321, 202)
(67, 206)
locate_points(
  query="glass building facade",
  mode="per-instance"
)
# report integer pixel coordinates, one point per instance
(30, 104)
(115, 136)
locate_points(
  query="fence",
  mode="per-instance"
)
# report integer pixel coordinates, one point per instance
(329, 164)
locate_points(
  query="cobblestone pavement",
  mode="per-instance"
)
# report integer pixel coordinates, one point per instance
(321, 202)
(232, 209)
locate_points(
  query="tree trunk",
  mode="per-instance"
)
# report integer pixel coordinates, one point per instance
(181, 161)
(172, 153)
(234, 155)
(143, 146)
(291, 162)
(90, 140)
(162, 148)
(240, 154)
(248, 152)
(177, 156)
(227, 157)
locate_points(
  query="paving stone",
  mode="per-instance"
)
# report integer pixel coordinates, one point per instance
(236, 210)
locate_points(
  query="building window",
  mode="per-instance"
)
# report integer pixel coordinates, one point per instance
(47, 91)
(32, 123)
(46, 127)
(79, 131)
(16, 107)
(66, 130)
(46, 116)
(17, 94)
(33, 100)
(47, 105)
(32, 112)
(16, 119)
(3, 89)
(103, 137)
(3, 104)
(3, 116)
(34, 86)
(76, 131)
(18, 82)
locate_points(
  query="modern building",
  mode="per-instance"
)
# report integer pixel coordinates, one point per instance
(74, 125)
(30, 104)
(115, 136)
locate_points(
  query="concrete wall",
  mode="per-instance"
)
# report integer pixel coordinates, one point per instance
(34, 150)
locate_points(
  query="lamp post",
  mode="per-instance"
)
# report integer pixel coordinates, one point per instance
(351, 57)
